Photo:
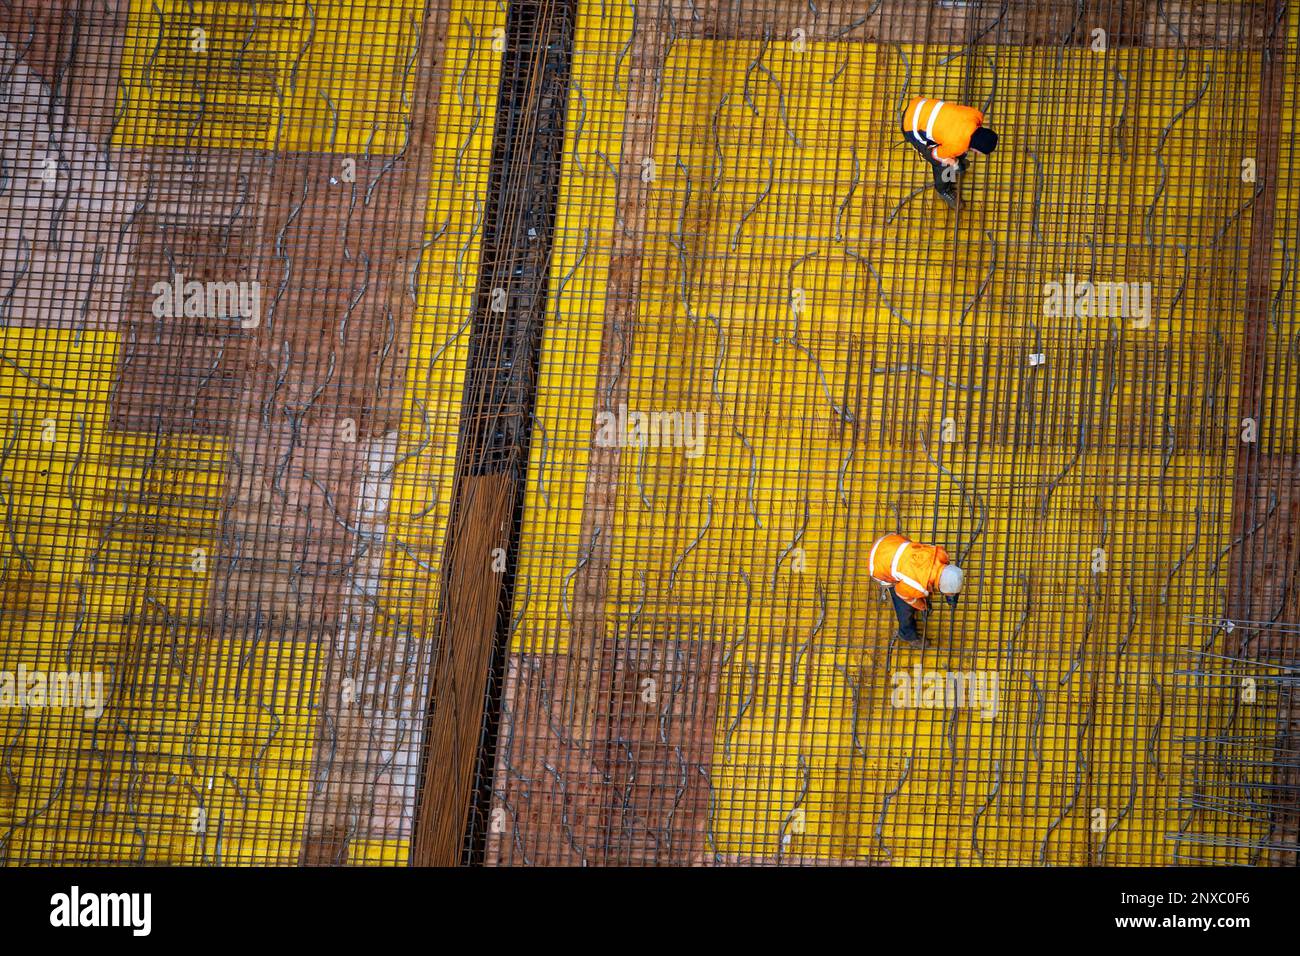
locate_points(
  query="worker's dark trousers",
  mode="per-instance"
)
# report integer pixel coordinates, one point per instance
(936, 167)
(906, 618)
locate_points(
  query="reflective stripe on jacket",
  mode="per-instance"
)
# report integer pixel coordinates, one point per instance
(945, 127)
(911, 569)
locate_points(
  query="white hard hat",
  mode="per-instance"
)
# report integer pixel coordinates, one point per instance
(951, 578)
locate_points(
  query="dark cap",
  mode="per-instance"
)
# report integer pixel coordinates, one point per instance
(984, 140)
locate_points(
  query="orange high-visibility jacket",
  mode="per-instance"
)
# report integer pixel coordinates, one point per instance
(911, 569)
(945, 127)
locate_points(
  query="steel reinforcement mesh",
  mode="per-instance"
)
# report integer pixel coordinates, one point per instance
(454, 431)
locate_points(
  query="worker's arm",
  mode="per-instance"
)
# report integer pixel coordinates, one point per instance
(948, 152)
(937, 153)
(911, 595)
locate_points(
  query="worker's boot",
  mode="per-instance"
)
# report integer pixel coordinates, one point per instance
(911, 637)
(949, 196)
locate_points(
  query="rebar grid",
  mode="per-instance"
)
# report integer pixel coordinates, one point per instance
(398, 526)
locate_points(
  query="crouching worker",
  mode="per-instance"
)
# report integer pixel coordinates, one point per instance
(911, 572)
(943, 133)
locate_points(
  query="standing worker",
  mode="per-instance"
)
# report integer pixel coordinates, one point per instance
(910, 572)
(942, 133)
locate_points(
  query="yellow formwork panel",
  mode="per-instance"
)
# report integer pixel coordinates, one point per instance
(379, 852)
(330, 75)
(111, 538)
(1037, 753)
(567, 393)
(751, 175)
(424, 465)
(210, 745)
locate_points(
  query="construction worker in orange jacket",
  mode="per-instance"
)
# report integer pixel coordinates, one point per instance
(911, 572)
(943, 133)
